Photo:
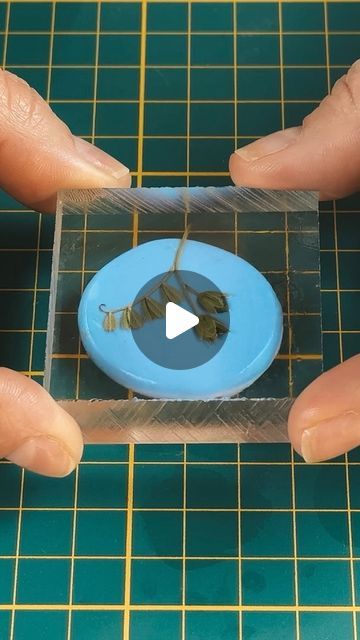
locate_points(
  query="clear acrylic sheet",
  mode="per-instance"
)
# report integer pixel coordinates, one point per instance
(276, 231)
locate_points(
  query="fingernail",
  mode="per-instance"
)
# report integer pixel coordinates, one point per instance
(44, 455)
(98, 158)
(331, 438)
(270, 144)
(308, 445)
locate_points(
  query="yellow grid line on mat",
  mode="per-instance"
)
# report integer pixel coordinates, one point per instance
(18, 532)
(237, 136)
(341, 352)
(140, 151)
(293, 494)
(182, 1)
(76, 483)
(89, 32)
(188, 607)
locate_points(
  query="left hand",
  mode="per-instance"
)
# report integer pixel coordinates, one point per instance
(39, 156)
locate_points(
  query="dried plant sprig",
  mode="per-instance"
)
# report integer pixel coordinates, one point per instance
(173, 268)
(149, 308)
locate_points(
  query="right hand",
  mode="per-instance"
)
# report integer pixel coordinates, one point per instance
(324, 155)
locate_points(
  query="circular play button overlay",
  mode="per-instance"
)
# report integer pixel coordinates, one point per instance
(185, 320)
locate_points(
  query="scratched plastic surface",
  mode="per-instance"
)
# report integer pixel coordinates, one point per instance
(277, 232)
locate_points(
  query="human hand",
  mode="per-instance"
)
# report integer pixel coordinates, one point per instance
(321, 155)
(39, 156)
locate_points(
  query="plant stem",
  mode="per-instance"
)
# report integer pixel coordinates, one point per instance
(174, 267)
(180, 249)
(155, 288)
(183, 287)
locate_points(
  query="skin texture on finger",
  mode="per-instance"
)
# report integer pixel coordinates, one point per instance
(321, 155)
(40, 156)
(35, 432)
(324, 421)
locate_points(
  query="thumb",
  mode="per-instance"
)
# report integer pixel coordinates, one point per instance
(35, 432)
(40, 156)
(324, 421)
(321, 155)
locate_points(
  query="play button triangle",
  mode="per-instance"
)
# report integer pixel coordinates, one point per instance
(178, 320)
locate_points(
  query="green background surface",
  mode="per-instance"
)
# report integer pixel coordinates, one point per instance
(172, 542)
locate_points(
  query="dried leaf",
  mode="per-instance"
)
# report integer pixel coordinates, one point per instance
(136, 321)
(125, 319)
(170, 294)
(206, 329)
(109, 323)
(145, 311)
(130, 319)
(212, 301)
(153, 309)
(221, 328)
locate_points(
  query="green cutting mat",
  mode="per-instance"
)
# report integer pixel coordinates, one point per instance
(174, 543)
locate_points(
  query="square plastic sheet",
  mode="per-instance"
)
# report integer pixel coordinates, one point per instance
(277, 232)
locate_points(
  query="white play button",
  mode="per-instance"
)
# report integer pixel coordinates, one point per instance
(178, 320)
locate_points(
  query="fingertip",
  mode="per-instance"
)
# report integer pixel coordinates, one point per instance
(243, 172)
(39, 154)
(324, 420)
(71, 439)
(35, 432)
(112, 172)
(322, 154)
(298, 421)
(234, 168)
(44, 455)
